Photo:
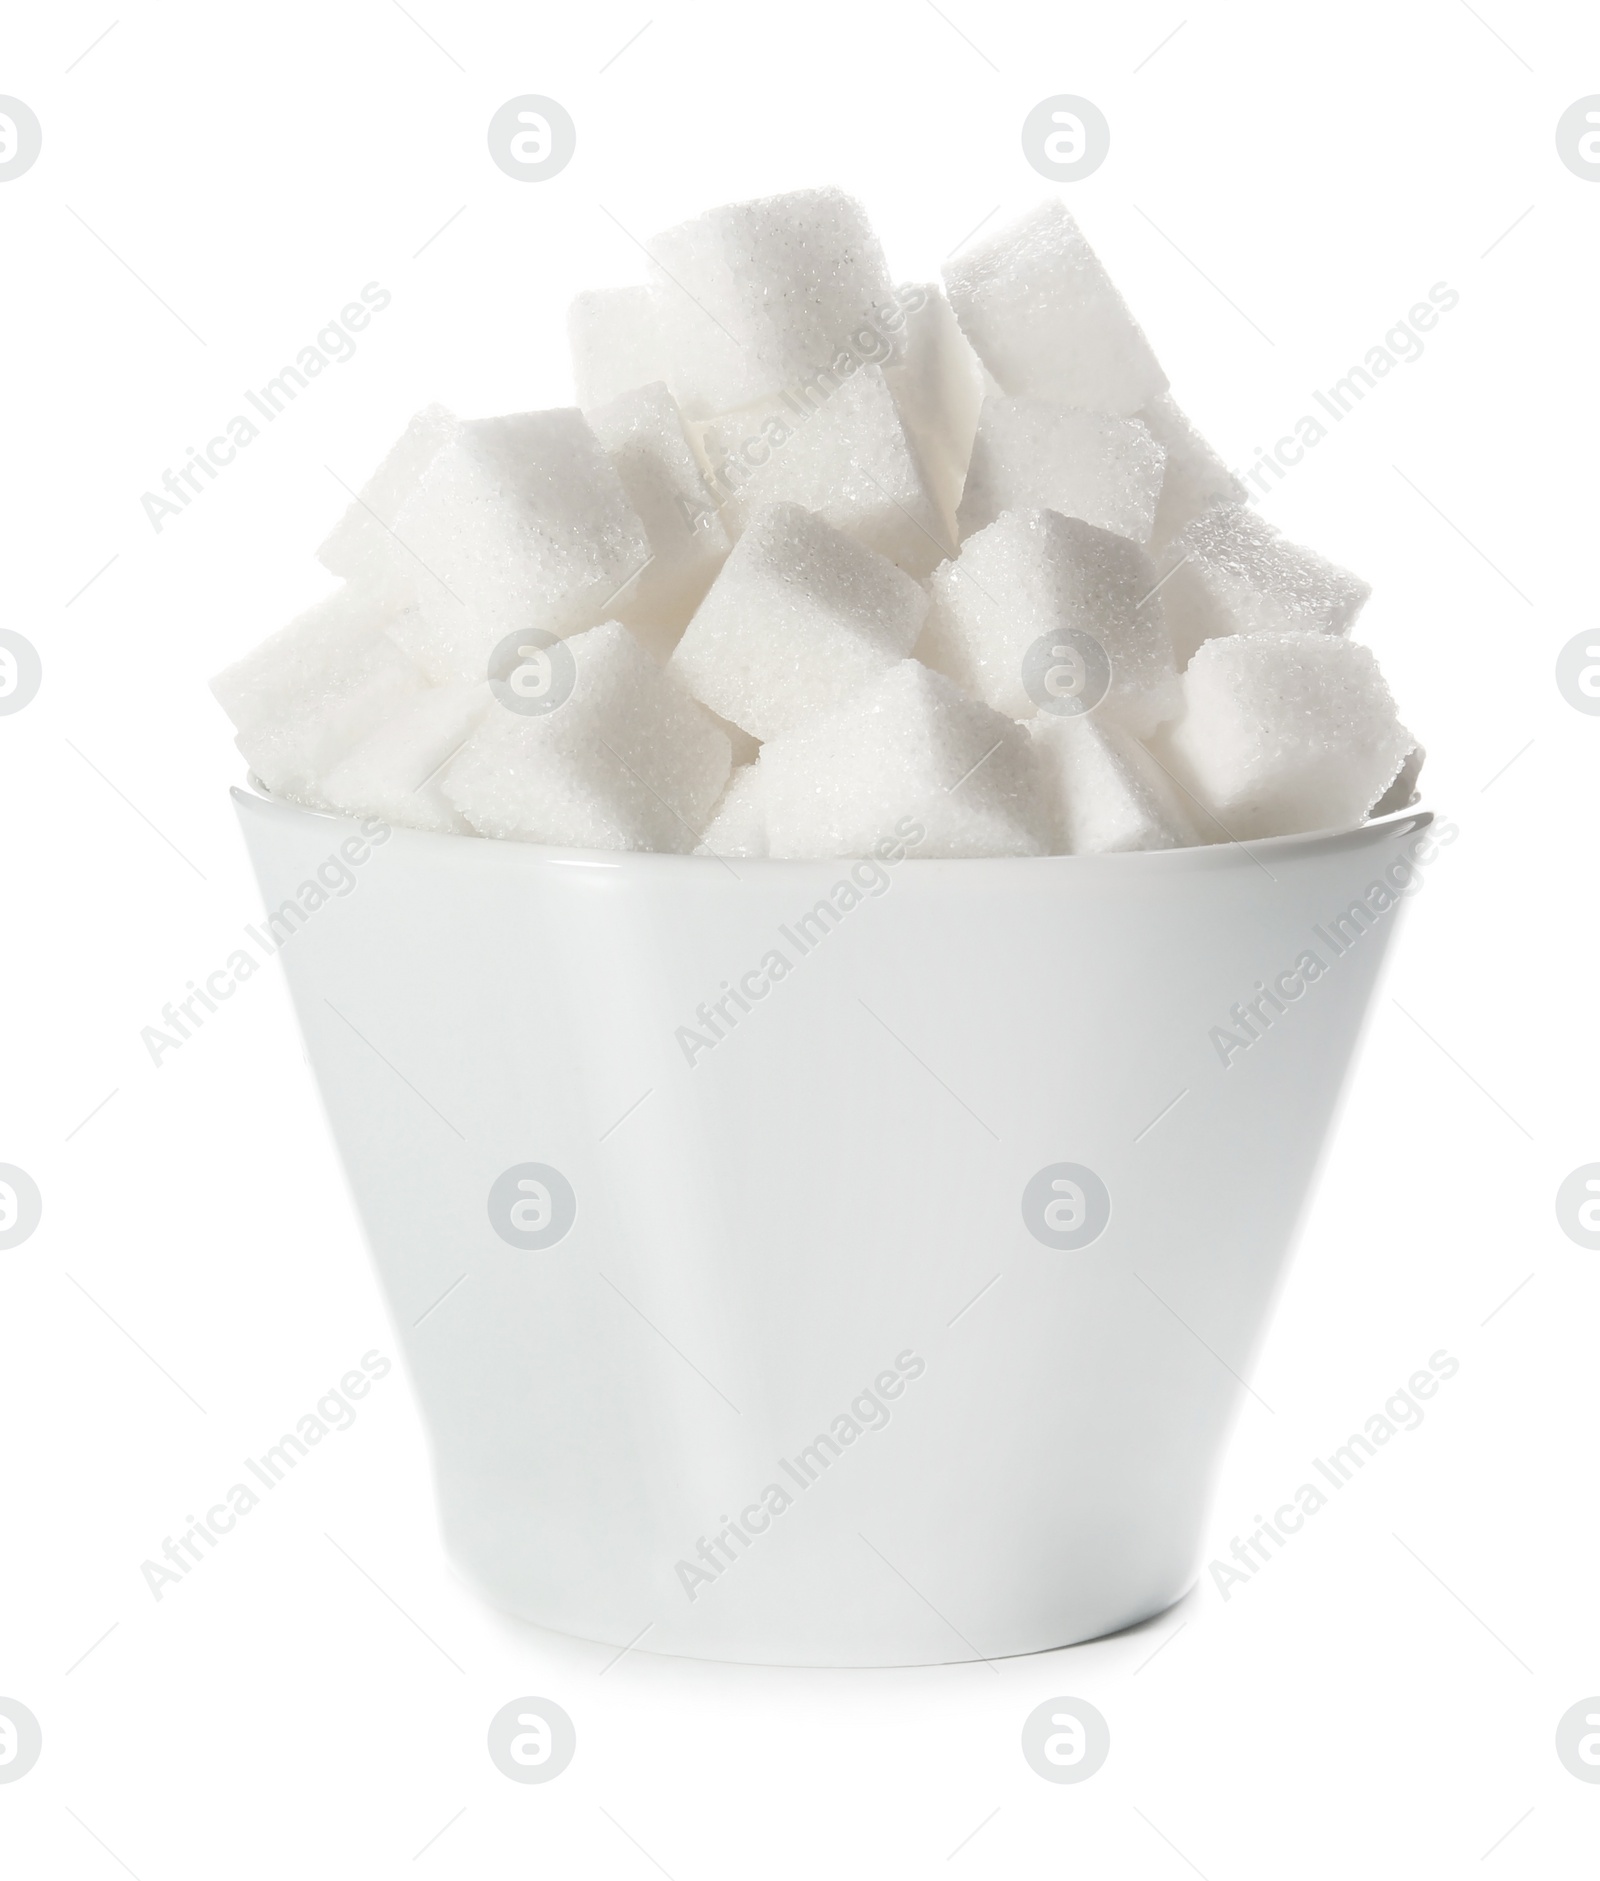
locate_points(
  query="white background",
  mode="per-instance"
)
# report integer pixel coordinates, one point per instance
(1283, 184)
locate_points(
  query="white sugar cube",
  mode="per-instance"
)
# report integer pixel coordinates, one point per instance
(1107, 793)
(1031, 577)
(1032, 454)
(938, 387)
(394, 772)
(757, 296)
(800, 617)
(1228, 572)
(616, 342)
(738, 826)
(1043, 316)
(311, 692)
(643, 435)
(744, 749)
(1284, 732)
(518, 522)
(733, 446)
(849, 459)
(626, 761)
(363, 546)
(1403, 792)
(910, 757)
(1196, 479)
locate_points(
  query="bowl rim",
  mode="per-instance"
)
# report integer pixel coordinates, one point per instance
(1234, 852)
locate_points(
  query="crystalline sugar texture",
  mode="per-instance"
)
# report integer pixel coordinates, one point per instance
(1031, 454)
(735, 445)
(1228, 572)
(518, 522)
(1107, 794)
(1196, 478)
(739, 825)
(800, 617)
(362, 546)
(394, 772)
(642, 433)
(758, 295)
(1033, 574)
(938, 387)
(1042, 315)
(628, 761)
(1402, 793)
(1284, 732)
(744, 748)
(308, 695)
(851, 461)
(910, 754)
(615, 337)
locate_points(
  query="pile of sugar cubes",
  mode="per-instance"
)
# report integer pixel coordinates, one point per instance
(815, 553)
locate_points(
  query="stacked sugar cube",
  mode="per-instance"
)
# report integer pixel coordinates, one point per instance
(817, 552)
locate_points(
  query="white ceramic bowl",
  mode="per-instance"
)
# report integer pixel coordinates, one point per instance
(813, 1226)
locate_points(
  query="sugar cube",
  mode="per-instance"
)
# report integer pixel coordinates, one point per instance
(1043, 316)
(626, 761)
(312, 691)
(643, 435)
(1403, 792)
(743, 748)
(756, 296)
(616, 342)
(518, 522)
(1284, 732)
(1229, 572)
(394, 772)
(1032, 454)
(849, 459)
(800, 617)
(1033, 576)
(1195, 480)
(938, 388)
(1107, 793)
(733, 446)
(909, 753)
(363, 546)
(738, 826)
